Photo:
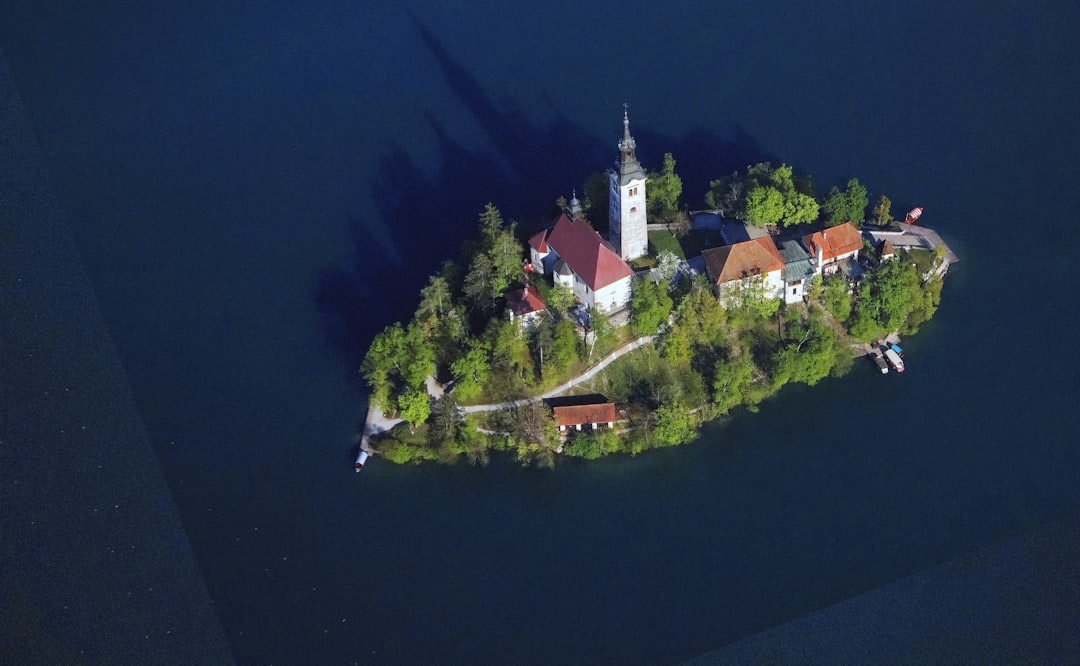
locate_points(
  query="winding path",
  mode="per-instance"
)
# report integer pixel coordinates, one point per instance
(377, 422)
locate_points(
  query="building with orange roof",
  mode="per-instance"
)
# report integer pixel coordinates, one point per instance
(577, 417)
(749, 264)
(831, 247)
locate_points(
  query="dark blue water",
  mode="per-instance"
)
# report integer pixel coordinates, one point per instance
(256, 192)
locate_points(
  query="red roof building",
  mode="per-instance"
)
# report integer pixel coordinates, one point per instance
(834, 244)
(598, 276)
(734, 262)
(525, 304)
(578, 416)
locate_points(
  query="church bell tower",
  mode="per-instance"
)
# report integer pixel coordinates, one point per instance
(626, 211)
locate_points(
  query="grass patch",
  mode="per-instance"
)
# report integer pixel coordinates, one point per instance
(688, 246)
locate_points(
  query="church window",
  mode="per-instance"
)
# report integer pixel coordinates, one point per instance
(633, 209)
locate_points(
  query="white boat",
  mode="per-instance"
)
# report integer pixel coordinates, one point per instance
(894, 360)
(361, 458)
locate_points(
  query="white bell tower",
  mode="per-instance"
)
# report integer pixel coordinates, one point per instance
(626, 211)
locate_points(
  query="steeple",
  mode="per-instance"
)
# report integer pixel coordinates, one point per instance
(628, 167)
(627, 226)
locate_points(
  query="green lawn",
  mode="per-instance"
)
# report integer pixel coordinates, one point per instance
(690, 245)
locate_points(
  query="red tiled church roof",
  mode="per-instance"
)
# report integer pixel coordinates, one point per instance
(539, 242)
(834, 241)
(574, 415)
(593, 260)
(733, 262)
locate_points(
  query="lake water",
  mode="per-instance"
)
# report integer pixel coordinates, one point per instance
(256, 192)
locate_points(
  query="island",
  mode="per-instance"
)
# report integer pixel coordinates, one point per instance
(568, 343)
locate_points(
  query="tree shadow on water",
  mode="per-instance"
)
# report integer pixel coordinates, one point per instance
(428, 213)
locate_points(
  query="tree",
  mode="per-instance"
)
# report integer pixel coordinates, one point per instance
(560, 298)
(417, 360)
(650, 305)
(510, 357)
(673, 425)
(445, 421)
(415, 407)
(506, 258)
(600, 331)
(667, 264)
(435, 298)
(481, 284)
(881, 213)
(731, 378)
(846, 206)
(749, 294)
(564, 347)
(491, 224)
(471, 371)
(800, 208)
(809, 353)
(764, 206)
(886, 297)
(662, 194)
(837, 297)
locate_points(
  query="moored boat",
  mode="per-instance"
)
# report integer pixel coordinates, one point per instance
(880, 363)
(894, 360)
(361, 458)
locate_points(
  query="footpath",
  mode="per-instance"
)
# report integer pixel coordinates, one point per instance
(376, 422)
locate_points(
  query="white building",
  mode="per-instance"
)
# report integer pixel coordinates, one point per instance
(626, 209)
(750, 268)
(575, 255)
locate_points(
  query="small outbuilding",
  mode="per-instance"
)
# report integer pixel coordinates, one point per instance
(577, 417)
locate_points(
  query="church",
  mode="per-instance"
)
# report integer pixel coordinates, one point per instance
(575, 255)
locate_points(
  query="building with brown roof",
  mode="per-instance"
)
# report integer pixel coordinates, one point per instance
(831, 247)
(580, 416)
(575, 254)
(525, 305)
(754, 264)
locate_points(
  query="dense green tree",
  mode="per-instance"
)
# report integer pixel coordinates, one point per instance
(481, 284)
(398, 359)
(564, 347)
(809, 352)
(650, 305)
(415, 406)
(506, 258)
(764, 206)
(800, 208)
(885, 299)
(471, 371)
(673, 425)
(560, 298)
(662, 194)
(837, 297)
(510, 357)
(731, 379)
(444, 424)
(846, 206)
